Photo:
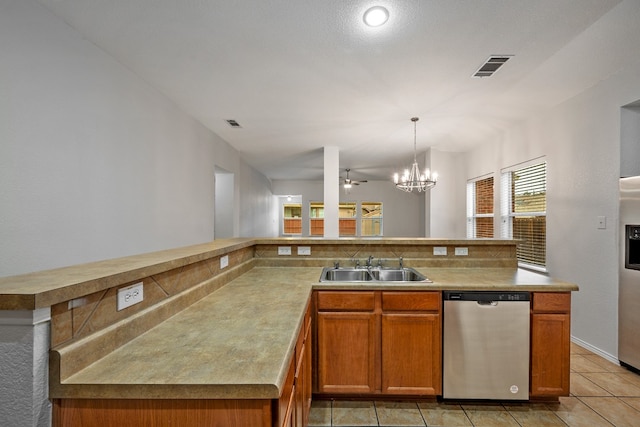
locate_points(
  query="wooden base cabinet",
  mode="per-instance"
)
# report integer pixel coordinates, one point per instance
(378, 342)
(411, 343)
(347, 331)
(550, 344)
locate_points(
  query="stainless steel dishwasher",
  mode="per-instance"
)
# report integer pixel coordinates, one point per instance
(486, 345)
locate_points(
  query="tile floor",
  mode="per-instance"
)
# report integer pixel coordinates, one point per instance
(602, 394)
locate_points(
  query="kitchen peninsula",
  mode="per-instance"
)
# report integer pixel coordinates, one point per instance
(228, 330)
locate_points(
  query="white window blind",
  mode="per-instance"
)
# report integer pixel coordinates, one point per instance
(480, 207)
(524, 210)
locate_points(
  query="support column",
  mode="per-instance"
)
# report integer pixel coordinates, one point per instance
(331, 191)
(24, 368)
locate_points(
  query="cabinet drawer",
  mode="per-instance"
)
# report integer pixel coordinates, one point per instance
(411, 301)
(346, 301)
(548, 302)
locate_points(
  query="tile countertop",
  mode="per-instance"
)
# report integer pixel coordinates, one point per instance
(237, 342)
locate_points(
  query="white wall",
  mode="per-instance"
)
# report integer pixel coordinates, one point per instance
(448, 198)
(581, 142)
(94, 162)
(403, 213)
(257, 205)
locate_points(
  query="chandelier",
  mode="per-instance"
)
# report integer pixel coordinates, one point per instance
(413, 179)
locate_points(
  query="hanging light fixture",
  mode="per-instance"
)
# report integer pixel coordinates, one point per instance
(413, 179)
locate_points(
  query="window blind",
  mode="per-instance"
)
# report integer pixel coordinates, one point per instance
(480, 208)
(524, 210)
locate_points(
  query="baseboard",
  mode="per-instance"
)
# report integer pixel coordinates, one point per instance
(611, 358)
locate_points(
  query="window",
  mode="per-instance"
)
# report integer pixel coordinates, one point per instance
(371, 219)
(480, 208)
(347, 219)
(524, 210)
(316, 219)
(292, 220)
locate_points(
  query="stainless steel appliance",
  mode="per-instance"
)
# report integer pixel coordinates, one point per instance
(629, 276)
(486, 345)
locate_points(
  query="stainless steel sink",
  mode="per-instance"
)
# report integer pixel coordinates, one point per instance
(345, 275)
(371, 274)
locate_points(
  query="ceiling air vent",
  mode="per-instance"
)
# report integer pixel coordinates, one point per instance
(233, 123)
(491, 65)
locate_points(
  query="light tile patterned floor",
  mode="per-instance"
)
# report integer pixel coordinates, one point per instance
(602, 394)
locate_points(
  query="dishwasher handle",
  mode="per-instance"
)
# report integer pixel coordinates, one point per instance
(491, 303)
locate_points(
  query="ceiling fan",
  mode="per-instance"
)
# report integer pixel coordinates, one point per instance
(350, 182)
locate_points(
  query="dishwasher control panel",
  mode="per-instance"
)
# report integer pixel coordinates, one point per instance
(485, 296)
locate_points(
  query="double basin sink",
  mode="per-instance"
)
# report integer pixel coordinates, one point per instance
(371, 274)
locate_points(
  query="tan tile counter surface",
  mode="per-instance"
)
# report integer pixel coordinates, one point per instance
(235, 343)
(487, 279)
(238, 341)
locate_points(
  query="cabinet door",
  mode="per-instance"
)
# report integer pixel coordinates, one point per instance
(346, 352)
(307, 376)
(411, 353)
(550, 354)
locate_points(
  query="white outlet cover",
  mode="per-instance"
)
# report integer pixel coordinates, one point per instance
(130, 295)
(462, 251)
(224, 261)
(304, 250)
(284, 250)
(439, 250)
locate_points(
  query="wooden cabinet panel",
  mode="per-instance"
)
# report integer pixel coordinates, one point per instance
(346, 301)
(286, 402)
(551, 302)
(550, 344)
(303, 377)
(308, 376)
(151, 413)
(411, 301)
(379, 342)
(346, 352)
(411, 354)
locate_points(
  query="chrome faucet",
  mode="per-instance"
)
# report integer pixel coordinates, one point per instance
(369, 260)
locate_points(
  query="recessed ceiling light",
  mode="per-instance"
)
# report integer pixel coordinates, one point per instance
(376, 16)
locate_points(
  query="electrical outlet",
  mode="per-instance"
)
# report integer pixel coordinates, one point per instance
(130, 295)
(284, 250)
(304, 250)
(440, 250)
(224, 261)
(462, 251)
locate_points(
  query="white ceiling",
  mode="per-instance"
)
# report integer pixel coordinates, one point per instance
(302, 74)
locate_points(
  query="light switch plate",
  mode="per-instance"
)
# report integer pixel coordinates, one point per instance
(130, 295)
(224, 261)
(284, 250)
(602, 222)
(439, 250)
(462, 251)
(304, 250)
